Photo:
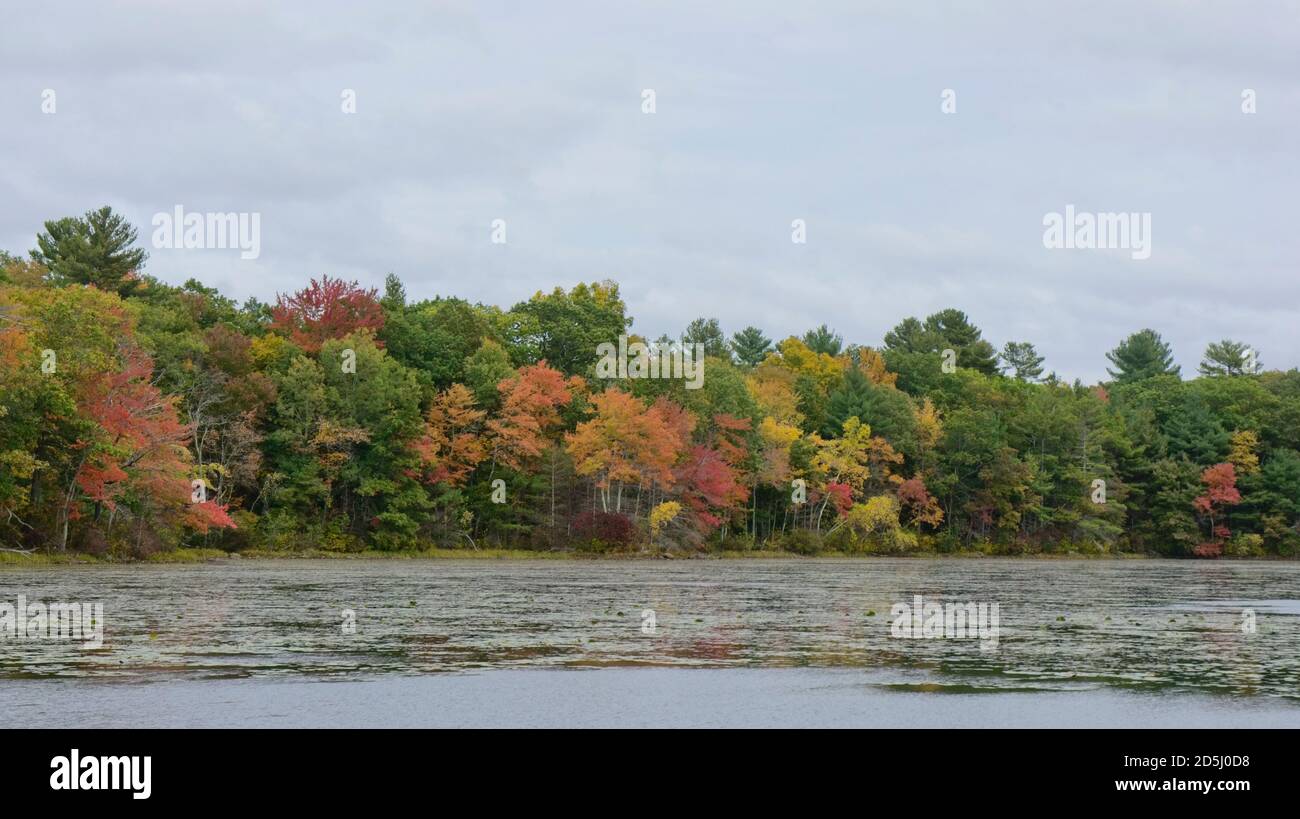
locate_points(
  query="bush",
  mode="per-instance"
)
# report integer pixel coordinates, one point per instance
(1245, 545)
(874, 527)
(801, 542)
(605, 530)
(1208, 550)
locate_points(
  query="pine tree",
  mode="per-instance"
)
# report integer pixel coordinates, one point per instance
(750, 346)
(1022, 360)
(95, 249)
(1228, 357)
(965, 339)
(1142, 355)
(824, 340)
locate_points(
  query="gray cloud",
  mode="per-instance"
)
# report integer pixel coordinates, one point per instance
(468, 112)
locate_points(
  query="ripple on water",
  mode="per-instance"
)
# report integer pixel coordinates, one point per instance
(1173, 625)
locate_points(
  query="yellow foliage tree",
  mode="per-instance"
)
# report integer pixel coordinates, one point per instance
(793, 354)
(872, 365)
(662, 515)
(1242, 451)
(877, 521)
(772, 387)
(929, 429)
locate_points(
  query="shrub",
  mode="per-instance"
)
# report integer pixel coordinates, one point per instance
(609, 528)
(1245, 545)
(801, 541)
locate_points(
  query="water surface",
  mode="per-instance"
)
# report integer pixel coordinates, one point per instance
(1157, 642)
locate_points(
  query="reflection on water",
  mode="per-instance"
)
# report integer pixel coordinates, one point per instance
(1064, 624)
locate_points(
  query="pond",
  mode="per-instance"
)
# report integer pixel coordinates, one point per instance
(690, 642)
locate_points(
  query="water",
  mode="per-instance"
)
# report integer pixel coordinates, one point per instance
(784, 642)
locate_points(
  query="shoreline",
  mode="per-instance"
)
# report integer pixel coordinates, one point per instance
(196, 556)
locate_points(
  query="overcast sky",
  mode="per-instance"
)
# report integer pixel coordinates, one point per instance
(765, 113)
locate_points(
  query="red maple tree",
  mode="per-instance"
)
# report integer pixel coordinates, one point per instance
(328, 308)
(1220, 492)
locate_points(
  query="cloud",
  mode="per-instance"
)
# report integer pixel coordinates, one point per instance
(829, 112)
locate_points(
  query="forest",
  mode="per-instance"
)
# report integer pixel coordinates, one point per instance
(137, 417)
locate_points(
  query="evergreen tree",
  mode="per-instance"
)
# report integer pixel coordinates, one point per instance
(965, 339)
(750, 346)
(1228, 357)
(1022, 360)
(95, 249)
(824, 340)
(1142, 355)
(394, 299)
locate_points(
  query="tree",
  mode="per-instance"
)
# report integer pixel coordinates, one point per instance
(1142, 355)
(858, 461)
(1229, 358)
(1022, 360)
(1242, 451)
(910, 336)
(378, 493)
(626, 443)
(750, 346)
(965, 338)
(823, 340)
(453, 446)
(1271, 502)
(871, 364)
(662, 515)
(1221, 492)
(773, 389)
(565, 329)
(948, 329)
(326, 309)
(877, 521)
(530, 404)
(94, 249)
(707, 332)
(436, 338)
(394, 299)
(485, 370)
(919, 505)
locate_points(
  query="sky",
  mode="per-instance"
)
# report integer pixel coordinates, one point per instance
(764, 113)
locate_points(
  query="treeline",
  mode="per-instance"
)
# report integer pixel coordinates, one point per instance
(137, 416)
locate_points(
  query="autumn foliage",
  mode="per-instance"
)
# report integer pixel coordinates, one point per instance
(1221, 492)
(327, 308)
(144, 417)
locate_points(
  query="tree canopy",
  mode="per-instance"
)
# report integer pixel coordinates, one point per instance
(136, 415)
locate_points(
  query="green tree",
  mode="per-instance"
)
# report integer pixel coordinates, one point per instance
(948, 329)
(94, 249)
(1022, 360)
(708, 332)
(1271, 501)
(750, 346)
(1142, 355)
(1228, 358)
(565, 329)
(888, 411)
(824, 340)
(394, 298)
(910, 336)
(484, 370)
(965, 338)
(435, 338)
